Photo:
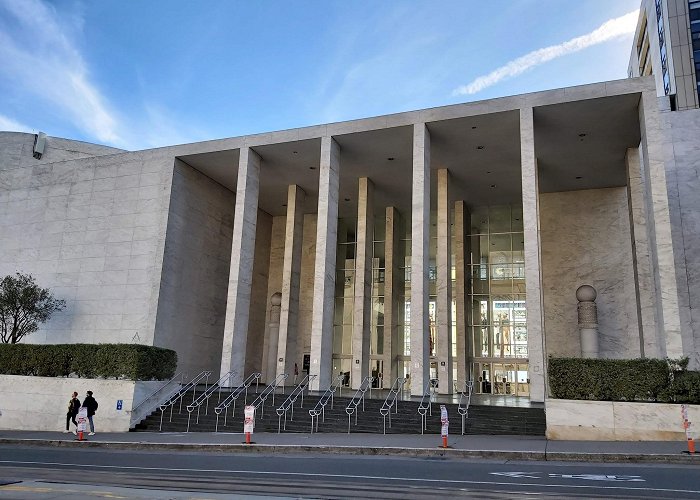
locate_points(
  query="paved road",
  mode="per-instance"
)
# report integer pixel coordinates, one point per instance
(70, 473)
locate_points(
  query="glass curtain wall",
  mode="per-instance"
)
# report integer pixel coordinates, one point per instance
(376, 363)
(344, 298)
(497, 316)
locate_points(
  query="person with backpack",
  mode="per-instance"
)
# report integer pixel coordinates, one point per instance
(73, 408)
(91, 404)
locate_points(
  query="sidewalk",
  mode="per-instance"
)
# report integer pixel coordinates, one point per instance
(469, 446)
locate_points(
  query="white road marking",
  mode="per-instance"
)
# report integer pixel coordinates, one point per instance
(345, 476)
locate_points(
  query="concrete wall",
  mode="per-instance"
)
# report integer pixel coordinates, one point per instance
(93, 230)
(192, 301)
(586, 240)
(16, 150)
(617, 421)
(40, 403)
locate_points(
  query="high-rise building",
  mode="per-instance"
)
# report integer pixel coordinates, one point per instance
(667, 46)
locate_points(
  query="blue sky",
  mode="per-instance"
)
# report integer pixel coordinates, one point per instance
(140, 74)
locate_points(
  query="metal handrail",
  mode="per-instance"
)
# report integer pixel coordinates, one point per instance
(320, 408)
(181, 376)
(463, 409)
(204, 397)
(359, 397)
(391, 400)
(289, 402)
(424, 409)
(179, 395)
(235, 394)
(270, 389)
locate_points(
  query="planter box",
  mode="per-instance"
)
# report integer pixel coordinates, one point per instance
(40, 403)
(617, 421)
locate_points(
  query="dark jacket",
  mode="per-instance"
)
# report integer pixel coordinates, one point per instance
(73, 406)
(91, 405)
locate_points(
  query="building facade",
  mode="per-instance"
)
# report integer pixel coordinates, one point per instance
(443, 244)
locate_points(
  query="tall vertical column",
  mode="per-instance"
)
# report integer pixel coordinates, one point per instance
(393, 257)
(533, 275)
(291, 269)
(661, 242)
(461, 322)
(444, 284)
(420, 236)
(641, 259)
(324, 269)
(361, 328)
(241, 271)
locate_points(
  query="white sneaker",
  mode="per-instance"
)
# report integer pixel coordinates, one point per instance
(75, 432)
(66, 431)
(91, 433)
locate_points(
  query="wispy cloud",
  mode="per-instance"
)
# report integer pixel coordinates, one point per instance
(37, 55)
(10, 125)
(609, 30)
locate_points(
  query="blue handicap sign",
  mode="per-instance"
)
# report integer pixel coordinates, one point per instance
(120, 403)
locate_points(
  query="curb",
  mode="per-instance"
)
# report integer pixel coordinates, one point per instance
(366, 451)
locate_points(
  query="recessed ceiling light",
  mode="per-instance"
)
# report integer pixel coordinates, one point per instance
(347, 199)
(391, 158)
(488, 171)
(579, 177)
(582, 134)
(312, 168)
(295, 152)
(473, 127)
(284, 204)
(480, 147)
(493, 185)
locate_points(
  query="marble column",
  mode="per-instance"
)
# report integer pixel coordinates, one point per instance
(533, 265)
(291, 269)
(393, 281)
(641, 259)
(241, 271)
(361, 327)
(444, 284)
(661, 242)
(420, 255)
(461, 246)
(324, 269)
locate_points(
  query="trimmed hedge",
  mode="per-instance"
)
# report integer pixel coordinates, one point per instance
(656, 380)
(121, 361)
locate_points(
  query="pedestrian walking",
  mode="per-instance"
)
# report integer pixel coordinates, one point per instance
(91, 404)
(73, 408)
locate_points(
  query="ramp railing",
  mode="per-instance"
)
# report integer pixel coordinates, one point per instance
(320, 408)
(425, 409)
(270, 389)
(152, 400)
(358, 398)
(288, 405)
(392, 401)
(236, 393)
(204, 397)
(465, 399)
(179, 395)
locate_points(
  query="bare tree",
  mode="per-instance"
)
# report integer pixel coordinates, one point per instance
(24, 305)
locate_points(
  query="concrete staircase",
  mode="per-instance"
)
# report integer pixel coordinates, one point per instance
(493, 420)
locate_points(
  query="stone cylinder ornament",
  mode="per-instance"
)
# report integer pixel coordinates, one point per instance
(587, 320)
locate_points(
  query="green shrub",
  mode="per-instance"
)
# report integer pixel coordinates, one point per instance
(121, 361)
(623, 380)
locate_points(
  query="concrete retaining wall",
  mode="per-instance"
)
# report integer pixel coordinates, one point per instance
(617, 421)
(40, 403)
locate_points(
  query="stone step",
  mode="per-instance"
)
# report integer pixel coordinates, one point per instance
(481, 419)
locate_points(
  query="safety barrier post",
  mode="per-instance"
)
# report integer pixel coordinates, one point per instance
(686, 426)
